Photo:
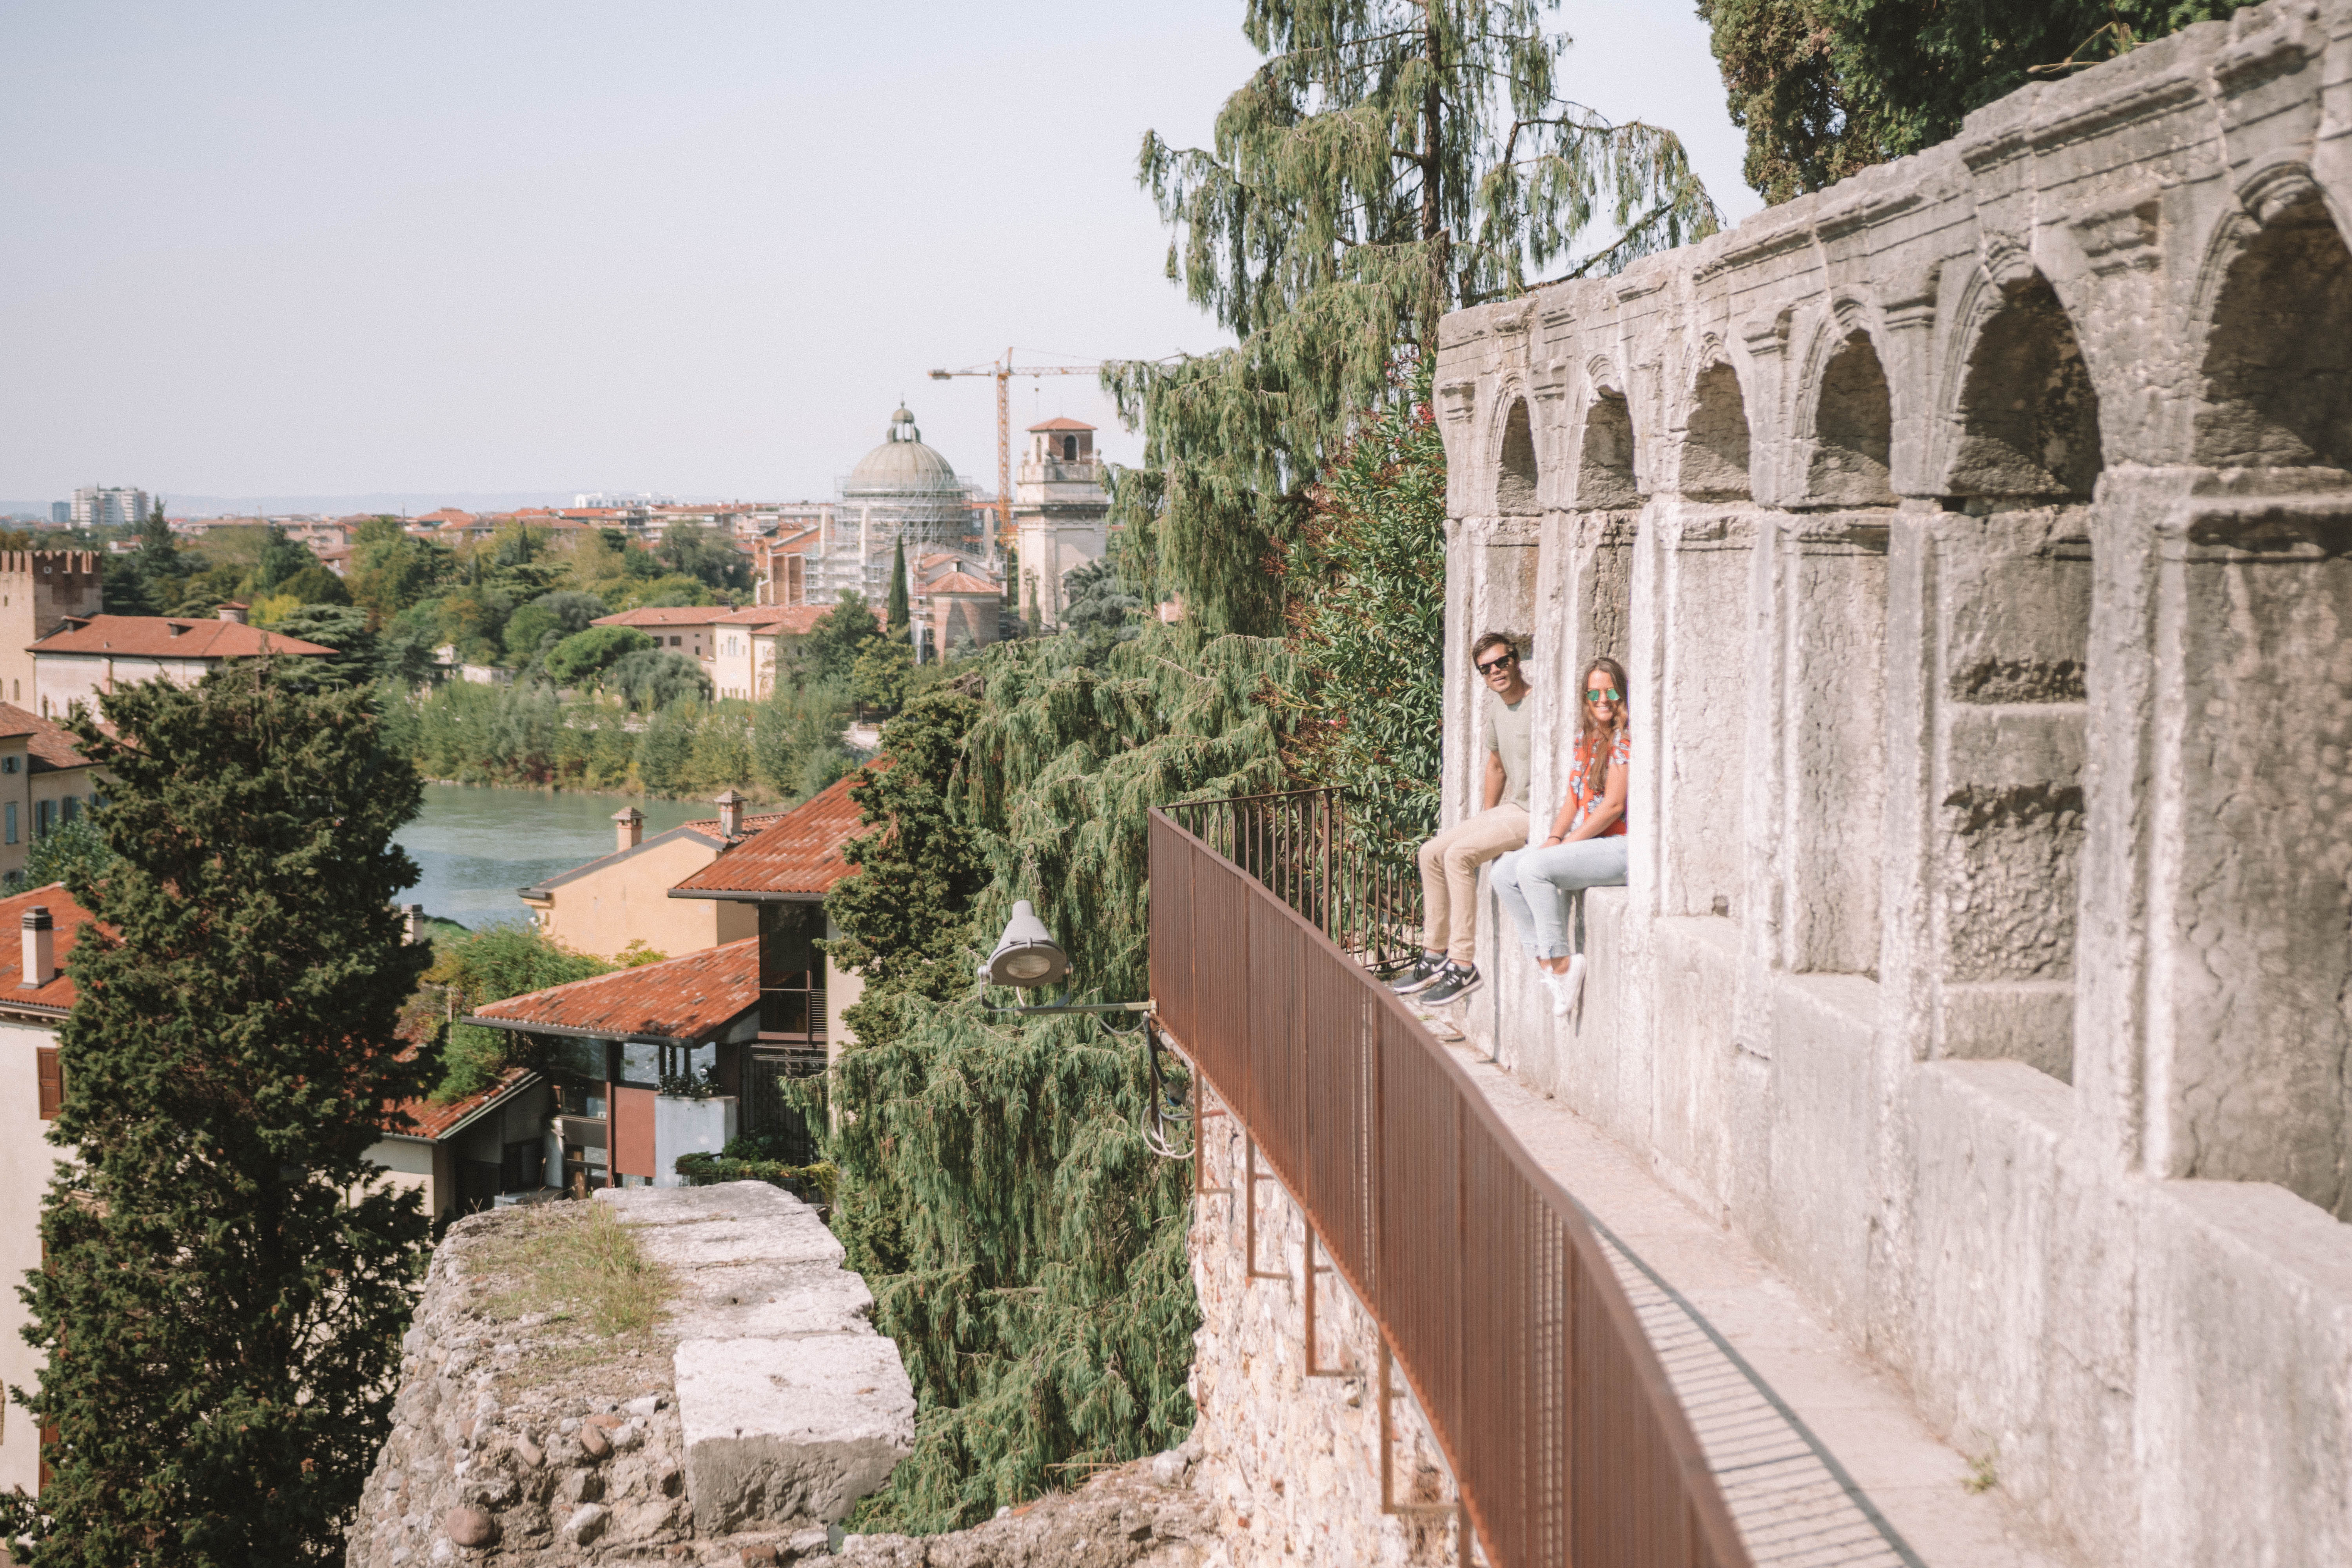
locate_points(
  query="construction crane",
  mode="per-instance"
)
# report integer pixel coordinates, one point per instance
(1005, 370)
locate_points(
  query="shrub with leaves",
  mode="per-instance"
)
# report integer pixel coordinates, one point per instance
(1366, 614)
(1025, 1247)
(491, 965)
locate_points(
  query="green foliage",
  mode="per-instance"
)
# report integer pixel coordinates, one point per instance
(390, 572)
(1366, 612)
(1826, 87)
(582, 656)
(666, 750)
(796, 737)
(1390, 160)
(528, 630)
(1025, 1248)
(884, 668)
(831, 648)
(1099, 603)
(706, 555)
(71, 851)
(491, 965)
(656, 677)
(895, 616)
(316, 586)
(225, 1289)
(339, 626)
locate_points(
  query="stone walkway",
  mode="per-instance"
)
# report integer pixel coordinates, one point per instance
(1822, 1459)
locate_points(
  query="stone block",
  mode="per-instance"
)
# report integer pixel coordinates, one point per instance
(779, 1430)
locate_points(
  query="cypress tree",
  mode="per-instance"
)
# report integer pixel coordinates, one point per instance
(225, 1286)
(897, 613)
(1390, 160)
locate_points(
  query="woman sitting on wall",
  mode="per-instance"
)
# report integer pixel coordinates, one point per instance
(1587, 846)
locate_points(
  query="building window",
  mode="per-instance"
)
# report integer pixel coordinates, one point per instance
(675, 642)
(44, 817)
(7, 764)
(8, 823)
(72, 806)
(49, 1082)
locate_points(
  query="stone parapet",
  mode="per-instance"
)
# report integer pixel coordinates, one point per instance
(1976, 535)
(752, 1416)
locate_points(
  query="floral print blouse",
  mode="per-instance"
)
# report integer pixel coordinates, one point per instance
(1588, 784)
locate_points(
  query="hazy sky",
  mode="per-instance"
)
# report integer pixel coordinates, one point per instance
(506, 246)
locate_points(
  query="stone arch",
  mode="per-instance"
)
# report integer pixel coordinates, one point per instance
(1853, 418)
(2277, 371)
(1715, 442)
(1605, 470)
(1516, 472)
(2027, 411)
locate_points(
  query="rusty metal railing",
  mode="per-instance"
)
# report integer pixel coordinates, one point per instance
(1566, 1444)
(1365, 896)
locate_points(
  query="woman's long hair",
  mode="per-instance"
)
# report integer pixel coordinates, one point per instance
(1593, 739)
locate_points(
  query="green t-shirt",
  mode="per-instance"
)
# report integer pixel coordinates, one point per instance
(1508, 736)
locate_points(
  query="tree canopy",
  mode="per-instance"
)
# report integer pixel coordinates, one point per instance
(1390, 160)
(226, 1281)
(1826, 87)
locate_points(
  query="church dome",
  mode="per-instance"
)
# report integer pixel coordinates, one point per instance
(902, 463)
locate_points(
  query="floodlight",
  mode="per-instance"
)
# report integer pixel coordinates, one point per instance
(1026, 955)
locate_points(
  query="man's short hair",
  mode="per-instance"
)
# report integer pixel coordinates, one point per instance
(1492, 639)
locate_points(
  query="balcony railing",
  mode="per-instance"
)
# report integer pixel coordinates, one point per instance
(1566, 1442)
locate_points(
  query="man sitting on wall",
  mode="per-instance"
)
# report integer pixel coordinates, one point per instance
(1450, 862)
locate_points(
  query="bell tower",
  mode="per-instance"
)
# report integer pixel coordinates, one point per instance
(38, 590)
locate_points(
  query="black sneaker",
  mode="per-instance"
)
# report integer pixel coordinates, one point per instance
(1459, 980)
(1421, 974)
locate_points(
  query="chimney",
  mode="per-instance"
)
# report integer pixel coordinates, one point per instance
(731, 815)
(412, 923)
(631, 826)
(232, 611)
(40, 948)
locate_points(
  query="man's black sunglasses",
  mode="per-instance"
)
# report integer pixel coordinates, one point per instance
(1493, 665)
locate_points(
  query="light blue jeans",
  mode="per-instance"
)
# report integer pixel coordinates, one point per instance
(1535, 886)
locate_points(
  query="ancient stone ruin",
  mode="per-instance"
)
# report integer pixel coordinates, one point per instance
(1978, 534)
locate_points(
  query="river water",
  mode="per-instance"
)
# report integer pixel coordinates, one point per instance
(476, 846)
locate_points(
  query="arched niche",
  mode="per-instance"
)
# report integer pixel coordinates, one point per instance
(1604, 459)
(1715, 447)
(1517, 474)
(2278, 355)
(2029, 415)
(1854, 428)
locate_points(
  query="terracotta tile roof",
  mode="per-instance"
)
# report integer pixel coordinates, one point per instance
(49, 744)
(1062, 424)
(962, 583)
(664, 615)
(431, 1120)
(56, 996)
(688, 998)
(798, 856)
(709, 829)
(154, 637)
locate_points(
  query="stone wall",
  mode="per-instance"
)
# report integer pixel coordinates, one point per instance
(1978, 534)
(1289, 1455)
(757, 1410)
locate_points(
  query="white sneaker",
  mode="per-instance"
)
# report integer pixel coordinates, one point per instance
(1552, 988)
(1572, 986)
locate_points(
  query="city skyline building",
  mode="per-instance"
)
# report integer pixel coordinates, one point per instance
(108, 506)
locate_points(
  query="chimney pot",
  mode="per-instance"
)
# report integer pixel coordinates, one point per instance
(631, 825)
(730, 813)
(40, 949)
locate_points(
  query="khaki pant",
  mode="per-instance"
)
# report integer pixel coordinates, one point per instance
(1449, 877)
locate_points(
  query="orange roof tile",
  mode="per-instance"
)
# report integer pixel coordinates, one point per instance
(664, 615)
(50, 745)
(679, 999)
(961, 583)
(57, 996)
(154, 637)
(797, 858)
(1062, 424)
(430, 1120)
